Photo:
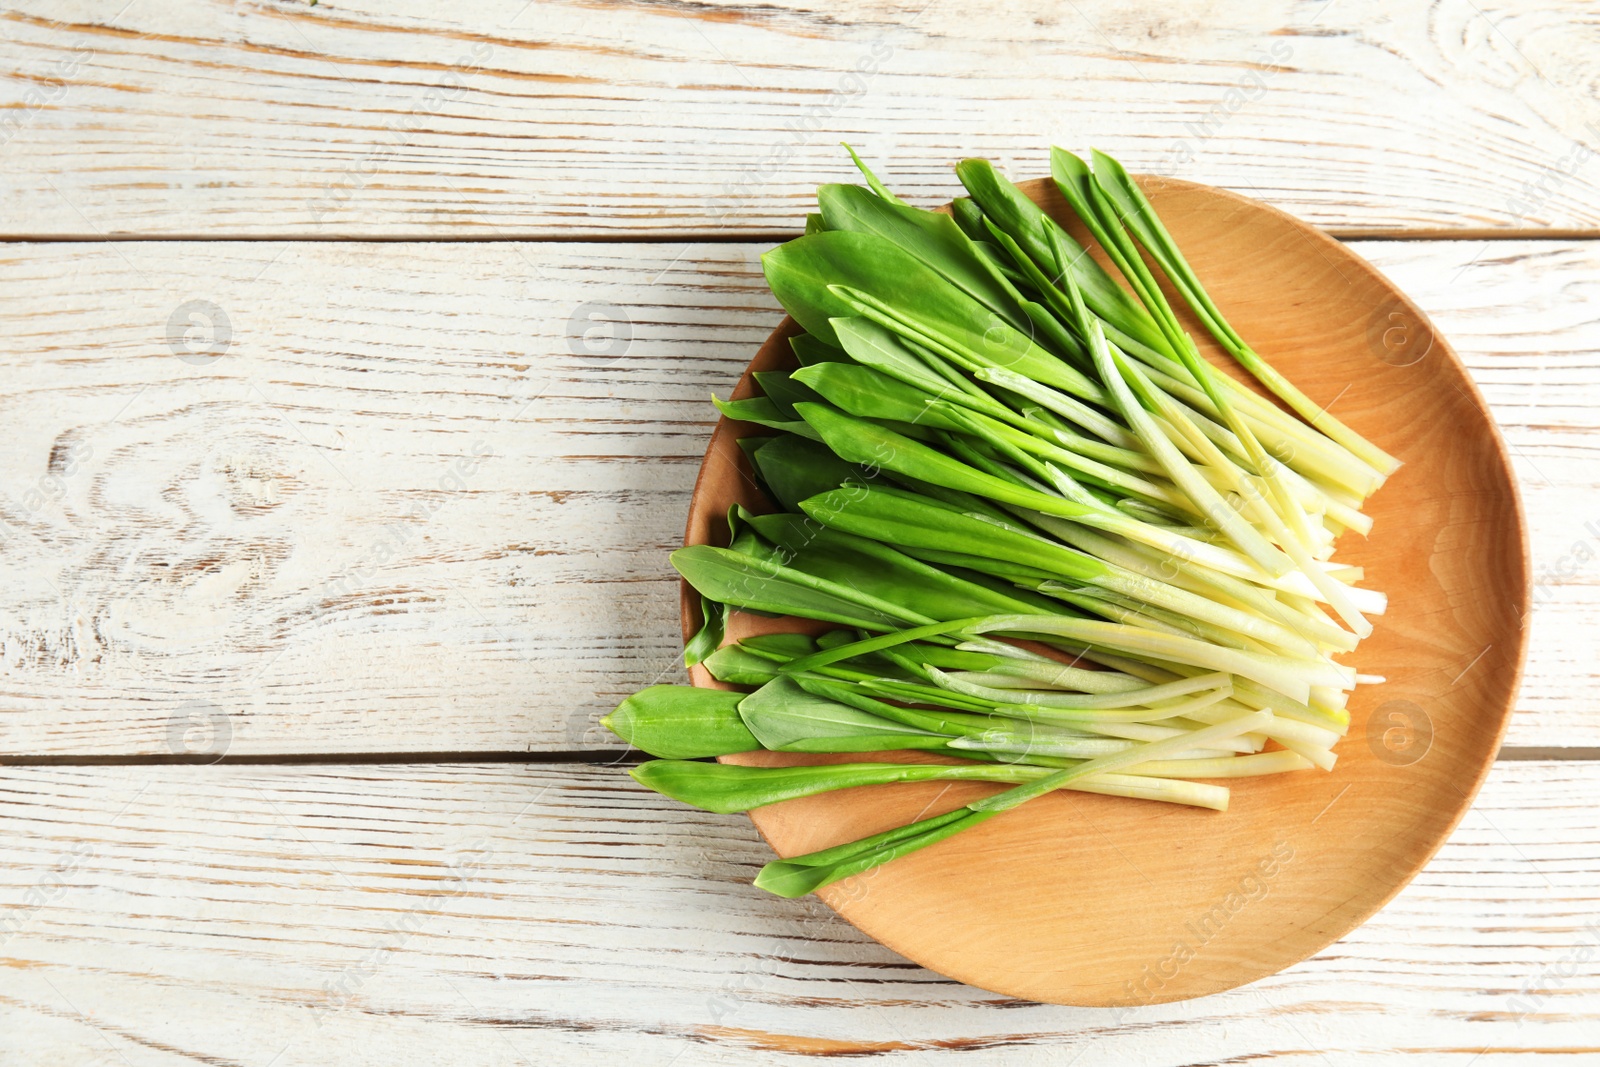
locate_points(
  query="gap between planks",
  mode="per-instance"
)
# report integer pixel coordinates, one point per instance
(705, 237)
(629, 758)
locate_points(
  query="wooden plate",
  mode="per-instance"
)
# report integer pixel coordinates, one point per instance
(1088, 900)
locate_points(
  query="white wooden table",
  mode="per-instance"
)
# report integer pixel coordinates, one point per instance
(355, 367)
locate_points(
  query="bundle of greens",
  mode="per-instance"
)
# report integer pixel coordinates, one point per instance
(1054, 541)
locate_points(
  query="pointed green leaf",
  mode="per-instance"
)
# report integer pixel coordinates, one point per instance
(872, 179)
(682, 722)
(739, 666)
(709, 637)
(870, 394)
(759, 585)
(1011, 210)
(727, 788)
(948, 723)
(831, 275)
(809, 350)
(884, 574)
(903, 518)
(786, 718)
(794, 467)
(803, 874)
(763, 412)
(781, 388)
(933, 238)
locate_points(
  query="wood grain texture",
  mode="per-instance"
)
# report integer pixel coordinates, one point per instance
(593, 117)
(276, 535)
(503, 915)
(276, 552)
(340, 529)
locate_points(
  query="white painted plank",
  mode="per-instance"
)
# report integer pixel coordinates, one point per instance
(560, 914)
(374, 117)
(276, 536)
(405, 491)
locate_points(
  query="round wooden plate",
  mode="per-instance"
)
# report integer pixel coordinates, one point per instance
(1089, 900)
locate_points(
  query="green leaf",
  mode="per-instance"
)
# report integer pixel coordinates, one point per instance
(948, 723)
(967, 503)
(795, 467)
(786, 718)
(726, 788)
(809, 350)
(1021, 576)
(784, 391)
(1139, 215)
(837, 274)
(682, 722)
(867, 443)
(969, 216)
(763, 412)
(950, 659)
(750, 442)
(870, 394)
(872, 179)
(803, 874)
(917, 693)
(745, 541)
(1077, 184)
(706, 641)
(973, 347)
(1011, 210)
(908, 519)
(933, 238)
(785, 646)
(885, 575)
(881, 349)
(737, 665)
(759, 585)
(1125, 380)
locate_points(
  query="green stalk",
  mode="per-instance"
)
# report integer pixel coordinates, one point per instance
(1149, 696)
(1293, 678)
(1118, 376)
(1143, 219)
(1021, 794)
